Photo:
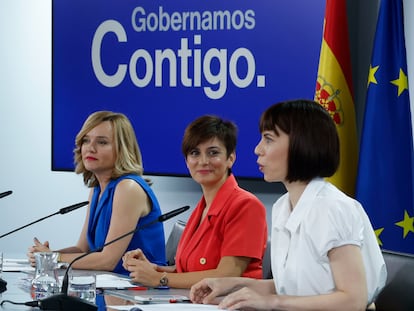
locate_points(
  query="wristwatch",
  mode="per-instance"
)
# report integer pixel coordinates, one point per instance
(164, 280)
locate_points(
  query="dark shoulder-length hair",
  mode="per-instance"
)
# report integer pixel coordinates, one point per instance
(207, 127)
(313, 138)
(128, 155)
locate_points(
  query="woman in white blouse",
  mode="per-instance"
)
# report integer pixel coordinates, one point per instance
(325, 255)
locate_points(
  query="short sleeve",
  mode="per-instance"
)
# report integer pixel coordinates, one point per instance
(338, 222)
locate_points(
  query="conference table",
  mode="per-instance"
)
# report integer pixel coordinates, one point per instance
(111, 299)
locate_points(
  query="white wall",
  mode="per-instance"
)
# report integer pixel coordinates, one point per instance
(25, 138)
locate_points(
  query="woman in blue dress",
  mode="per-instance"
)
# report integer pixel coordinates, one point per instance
(108, 156)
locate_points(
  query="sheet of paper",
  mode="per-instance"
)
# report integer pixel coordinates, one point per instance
(145, 299)
(16, 265)
(168, 306)
(109, 281)
(112, 281)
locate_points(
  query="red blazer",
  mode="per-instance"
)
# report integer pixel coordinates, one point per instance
(234, 226)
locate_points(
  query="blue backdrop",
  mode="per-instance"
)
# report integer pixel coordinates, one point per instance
(164, 63)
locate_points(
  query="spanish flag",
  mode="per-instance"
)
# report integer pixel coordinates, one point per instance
(334, 91)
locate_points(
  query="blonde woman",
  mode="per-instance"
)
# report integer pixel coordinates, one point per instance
(108, 157)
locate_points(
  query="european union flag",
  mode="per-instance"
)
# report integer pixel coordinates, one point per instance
(385, 173)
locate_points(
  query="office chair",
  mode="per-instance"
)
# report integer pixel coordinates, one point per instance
(266, 263)
(398, 293)
(172, 242)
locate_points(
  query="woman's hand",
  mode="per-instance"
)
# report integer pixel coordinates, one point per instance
(37, 247)
(141, 269)
(135, 254)
(207, 290)
(247, 298)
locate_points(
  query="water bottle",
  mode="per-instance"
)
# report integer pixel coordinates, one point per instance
(46, 280)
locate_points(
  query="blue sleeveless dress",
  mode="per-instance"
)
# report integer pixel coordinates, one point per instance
(151, 239)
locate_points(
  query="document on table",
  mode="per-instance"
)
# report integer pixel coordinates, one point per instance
(168, 306)
(110, 281)
(17, 265)
(151, 298)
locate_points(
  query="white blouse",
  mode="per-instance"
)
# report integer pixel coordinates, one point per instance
(324, 218)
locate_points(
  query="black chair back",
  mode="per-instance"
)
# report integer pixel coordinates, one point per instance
(172, 242)
(398, 293)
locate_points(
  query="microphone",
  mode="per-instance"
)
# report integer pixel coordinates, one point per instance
(3, 283)
(5, 194)
(61, 211)
(64, 302)
(171, 214)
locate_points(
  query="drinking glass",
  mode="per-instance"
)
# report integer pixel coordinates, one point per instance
(83, 286)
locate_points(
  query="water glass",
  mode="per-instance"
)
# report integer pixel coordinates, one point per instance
(83, 286)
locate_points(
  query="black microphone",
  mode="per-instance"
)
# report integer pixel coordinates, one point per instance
(64, 302)
(171, 214)
(61, 211)
(3, 283)
(5, 194)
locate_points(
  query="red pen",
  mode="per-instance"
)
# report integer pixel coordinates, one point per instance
(137, 288)
(175, 300)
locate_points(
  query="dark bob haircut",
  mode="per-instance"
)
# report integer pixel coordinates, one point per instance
(313, 139)
(209, 127)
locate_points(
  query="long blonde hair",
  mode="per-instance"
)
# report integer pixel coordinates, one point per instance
(127, 152)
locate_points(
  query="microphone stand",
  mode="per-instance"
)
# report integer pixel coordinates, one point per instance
(61, 211)
(3, 283)
(64, 302)
(64, 210)
(5, 194)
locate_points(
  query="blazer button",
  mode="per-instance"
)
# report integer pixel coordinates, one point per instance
(203, 261)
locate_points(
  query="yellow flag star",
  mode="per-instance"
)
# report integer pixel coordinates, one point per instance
(401, 82)
(407, 224)
(371, 75)
(377, 233)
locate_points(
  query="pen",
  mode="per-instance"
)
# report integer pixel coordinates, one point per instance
(137, 288)
(179, 300)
